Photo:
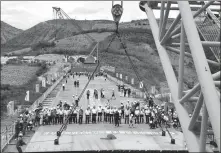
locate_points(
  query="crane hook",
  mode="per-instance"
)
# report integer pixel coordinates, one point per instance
(117, 11)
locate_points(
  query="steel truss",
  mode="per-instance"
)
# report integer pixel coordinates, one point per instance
(209, 98)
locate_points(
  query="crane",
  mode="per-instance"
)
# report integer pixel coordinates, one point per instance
(61, 15)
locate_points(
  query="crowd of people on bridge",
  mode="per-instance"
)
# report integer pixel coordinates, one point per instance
(130, 112)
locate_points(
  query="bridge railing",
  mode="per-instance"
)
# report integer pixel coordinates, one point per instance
(9, 132)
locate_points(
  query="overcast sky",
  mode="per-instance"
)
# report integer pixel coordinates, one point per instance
(25, 14)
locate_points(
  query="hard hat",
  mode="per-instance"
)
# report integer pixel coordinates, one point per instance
(20, 134)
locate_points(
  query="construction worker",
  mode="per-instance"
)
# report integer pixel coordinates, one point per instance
(137, 114)
(88, 94)
(147, 115)
(63, 86)
(20, 142)
(127, 112)
(80, 115)
(107, 113)
(116, 118)
(111, 114)
(94, 114)
(122, 110)
(142, 115)
(76, 100)
(120, 114)
(113, 94)
(75, 115)
(99, 110)
(131, 123)
(75, 84)
(87, 113)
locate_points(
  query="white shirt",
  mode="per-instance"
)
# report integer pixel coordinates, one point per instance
(87, 112)
(68, 111)
(137, 112)
(49, 113)
(107, 111)
(94, 111)
(65, 112)
(61, 112)
(99, 110)
(165, 118)
(126, 112)
(145, 107)
(152, 114)
(111, 111)
(147, 112)
(119, 112)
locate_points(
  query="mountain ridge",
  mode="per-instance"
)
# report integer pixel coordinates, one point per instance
(8, 32)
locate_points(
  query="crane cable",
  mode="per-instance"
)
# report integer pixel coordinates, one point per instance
(131, 62)
(64, 125)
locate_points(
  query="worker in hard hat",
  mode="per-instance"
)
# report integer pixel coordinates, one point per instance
(20, 142)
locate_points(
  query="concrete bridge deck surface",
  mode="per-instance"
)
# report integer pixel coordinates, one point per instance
(87, 137)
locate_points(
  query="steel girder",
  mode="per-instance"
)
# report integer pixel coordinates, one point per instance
(208, 90)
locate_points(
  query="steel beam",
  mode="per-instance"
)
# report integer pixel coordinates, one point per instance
(204, 43)
(197, 88)
(213, 63)
(195, 15)
(173, 25)
(217, 83)
(196, 112)
(165, 19)
(191, 138)
(202, 68)
(181, 63)
(203, 131)
(176, 8)
(161, 16)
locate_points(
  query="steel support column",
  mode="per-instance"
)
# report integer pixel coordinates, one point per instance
(173, 25)
(196, 111)
(202, 68)
(191, 138)
(203, 132)
(161, 17)
(181, 63)
(165, 19)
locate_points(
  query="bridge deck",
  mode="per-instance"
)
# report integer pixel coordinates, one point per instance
(87, 137)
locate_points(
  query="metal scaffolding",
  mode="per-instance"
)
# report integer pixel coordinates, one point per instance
(185, 28)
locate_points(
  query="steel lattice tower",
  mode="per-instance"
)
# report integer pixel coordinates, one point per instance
(185, 28)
